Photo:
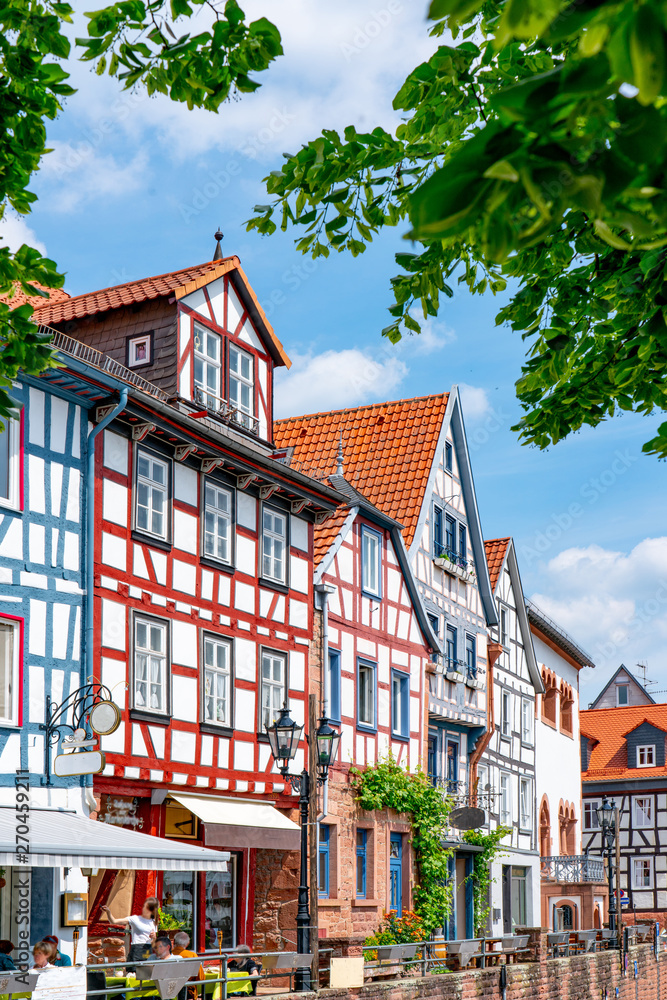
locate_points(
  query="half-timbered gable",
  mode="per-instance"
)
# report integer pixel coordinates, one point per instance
(506, 787)
(625, 762)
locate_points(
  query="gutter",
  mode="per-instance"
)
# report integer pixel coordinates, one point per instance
(87, 666)
(493, 651)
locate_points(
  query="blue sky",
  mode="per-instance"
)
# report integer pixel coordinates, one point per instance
(137, 186)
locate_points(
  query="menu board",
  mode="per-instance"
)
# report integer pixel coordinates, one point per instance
(61, 983)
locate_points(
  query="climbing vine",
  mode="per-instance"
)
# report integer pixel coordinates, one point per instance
(386, 785)
(481, 872)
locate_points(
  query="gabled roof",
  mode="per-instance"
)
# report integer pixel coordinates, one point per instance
(608, 727)
(500, 552)
(388, 450)
(173, 284)
(611, 681)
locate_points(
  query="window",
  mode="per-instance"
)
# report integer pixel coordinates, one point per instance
(10, 638)
(519, 895)
(642, 873)
(217, 523)
(207, 367)
(591, 814)
(151, 681)
(9, 463)
(333, 685)
(139, 350)
(362, 839)
(463, 547)
(484, 790)
(646, 756)
(152, 493)
(274, 545)
(400, 704)
(437, 532)
(241, 384)
(371, 562)
(217, 681)
(503, 626)
(527, 718)
(505, 713)
(434, 622)
(622, 693)
(642, 811)
(566, 712)
(448, 456)
(366, 694)
(219, 892)
(323, 862)
(471, 656)
(450, 648)
(178, 899)
(450, 535)
(274, 686)
(526, 803)
(505, 799)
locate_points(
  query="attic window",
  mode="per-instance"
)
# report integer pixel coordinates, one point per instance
(622, 694)
(646, 756)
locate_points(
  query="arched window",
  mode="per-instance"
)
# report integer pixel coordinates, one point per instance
(545, 828)
(550, 698)
(565, 917)
(566, 709)
(567, 829)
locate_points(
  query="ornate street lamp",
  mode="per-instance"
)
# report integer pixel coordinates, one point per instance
(606, 814)
(284, 735)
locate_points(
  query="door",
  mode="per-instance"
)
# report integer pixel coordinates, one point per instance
(507, 899)
(396, 873)
(464, 897)
(449, 929)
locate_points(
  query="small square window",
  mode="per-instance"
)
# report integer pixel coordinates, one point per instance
(591, 821)
(140, 350)
(642, 811)
(642, 873)
(646, 756)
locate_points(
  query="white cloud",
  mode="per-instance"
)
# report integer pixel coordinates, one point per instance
(613, 603)
(15, 231)
(335, 379)
(474, 402)
(72, 175)
(435, 334)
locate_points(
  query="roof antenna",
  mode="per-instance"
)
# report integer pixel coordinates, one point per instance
(339, 467)
(218, 249)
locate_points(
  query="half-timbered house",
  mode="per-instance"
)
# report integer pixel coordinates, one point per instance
(623, 759)
(203, 595)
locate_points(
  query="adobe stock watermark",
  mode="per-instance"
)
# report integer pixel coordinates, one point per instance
(591, 491)
(374, 26)
(21, 874)
(633, 625)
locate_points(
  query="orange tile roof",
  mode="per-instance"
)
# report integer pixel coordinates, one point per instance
(325, 534)
(388, 451)
(173, 283)
(496, 550)
(609, 727)
(18, 297)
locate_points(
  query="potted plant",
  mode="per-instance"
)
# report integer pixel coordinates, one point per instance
(168, 923)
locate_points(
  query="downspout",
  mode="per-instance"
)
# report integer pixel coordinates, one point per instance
(87, 668)
(323, 590)
(493, 651)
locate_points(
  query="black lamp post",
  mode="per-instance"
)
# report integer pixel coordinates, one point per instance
(284, 736)
(607, 821)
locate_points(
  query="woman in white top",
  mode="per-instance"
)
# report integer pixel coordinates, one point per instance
(143, 929)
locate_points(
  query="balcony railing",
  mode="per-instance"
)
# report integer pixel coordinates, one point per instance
(572, 868)
(453, 562)
(226, 411)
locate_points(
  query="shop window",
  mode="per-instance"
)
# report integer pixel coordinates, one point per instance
(178, 896)
(220, 910)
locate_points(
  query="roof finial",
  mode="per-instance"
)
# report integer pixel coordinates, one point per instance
(218, 249)
(339, 467)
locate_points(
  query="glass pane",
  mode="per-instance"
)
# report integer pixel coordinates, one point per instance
(158, 473)
(6, 669)
(143, 466)
(178, 896)
(219, 895)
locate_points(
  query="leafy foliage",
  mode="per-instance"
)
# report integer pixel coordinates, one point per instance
(533, 149)
(481, 872)
(387, 785)
(134, 41)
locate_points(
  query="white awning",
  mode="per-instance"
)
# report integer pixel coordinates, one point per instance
(59, 839)
(239, 823)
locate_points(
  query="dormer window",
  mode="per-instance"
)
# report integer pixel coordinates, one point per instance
(207, 367)
(241, 383)
(646, 756)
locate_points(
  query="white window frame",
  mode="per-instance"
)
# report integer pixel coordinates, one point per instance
(218, 515)
(13, 500)
(505, 807)
(269, 538)
(210, 641)
(238, 377)
(211, 397)
(642, 860)
(592, 806)
(623, 704)
(644, 749)
(505, 713)
(400, 704)
(11, 683)
(153, 486)
(269, 705)
(525, 793)
(164, 655)
(527, 716)
(371, 561)
(640, 819)
(371, 668)
(503, 633)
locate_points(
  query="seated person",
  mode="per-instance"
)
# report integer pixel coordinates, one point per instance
(180, 947)
(6, 962)
(42, 956)
(56, 957)
(245, 964)
(162, 949)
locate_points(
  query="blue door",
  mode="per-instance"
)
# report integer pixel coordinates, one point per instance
(396, 873)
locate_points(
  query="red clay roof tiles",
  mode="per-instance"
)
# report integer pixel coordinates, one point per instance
(18, 297)
(496, 550)
(610, 726)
